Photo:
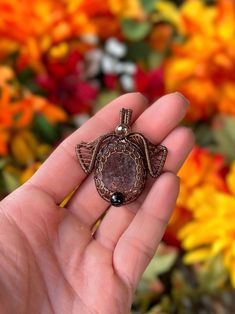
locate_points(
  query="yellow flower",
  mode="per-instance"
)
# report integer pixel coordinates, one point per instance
(29, 171)
(202, 66)
(127, 8)
(212, 229)
(168, 11)
(201, 168)
(26, 149)
(230, 178)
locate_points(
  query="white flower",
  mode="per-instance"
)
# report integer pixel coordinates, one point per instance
(115, 48)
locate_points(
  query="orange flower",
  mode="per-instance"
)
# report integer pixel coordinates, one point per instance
(47, 22)
(40, 15)
(202, 66)
(19, 114)
(201, 168)
(6, 74)
(54, 114)
(6, 116)
(50, 22)
(93, 16)
(160, 36)
(3, 142)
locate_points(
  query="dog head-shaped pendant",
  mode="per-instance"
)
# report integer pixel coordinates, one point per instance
(121, 161)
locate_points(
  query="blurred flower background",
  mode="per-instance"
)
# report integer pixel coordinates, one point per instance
(62, 60)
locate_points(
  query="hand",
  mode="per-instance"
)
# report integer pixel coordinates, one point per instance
(49, 260)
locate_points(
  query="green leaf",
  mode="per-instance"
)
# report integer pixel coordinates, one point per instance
(142, 52)
(213, 275)
(160, 264)
(229, 126)
(104, 98)
(155, 59)
(48, 132)
(135, 30)
(204, 134)
(26, 74)
(26, 78)
(10, 181)
(138, 51)
(224, 136)
(149, 5)
(11, 58)
(3, 162)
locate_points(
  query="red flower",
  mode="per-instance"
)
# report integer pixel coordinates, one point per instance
(64, 83)
(111, 81)
(150, 83)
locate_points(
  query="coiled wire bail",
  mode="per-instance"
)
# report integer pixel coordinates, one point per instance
(125, 116)
(123, 129)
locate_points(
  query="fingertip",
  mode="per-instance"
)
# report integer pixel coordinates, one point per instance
(169, 181)
(165, 186)
(190, 136)
(175, 102)
(189, 139)
(136, 94)
(177, 97)
(181, 134)
(162, 117)
(182, 97)
(110, 113)
(179, 143)
(133, 99)
(163, 195)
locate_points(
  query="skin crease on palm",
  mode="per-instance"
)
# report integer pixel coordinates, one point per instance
(50, 262)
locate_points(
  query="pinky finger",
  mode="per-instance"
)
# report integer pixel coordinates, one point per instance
(139, 242)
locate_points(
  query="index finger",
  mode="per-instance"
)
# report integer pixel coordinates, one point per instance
(61, 173)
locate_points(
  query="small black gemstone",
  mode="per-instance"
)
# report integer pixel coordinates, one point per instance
(117, 199)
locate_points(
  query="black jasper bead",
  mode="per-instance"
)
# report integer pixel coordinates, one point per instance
(117, 199)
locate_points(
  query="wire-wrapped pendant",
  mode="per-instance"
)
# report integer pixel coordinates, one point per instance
(121, 161)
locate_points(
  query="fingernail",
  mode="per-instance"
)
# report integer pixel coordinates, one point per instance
(187, 102)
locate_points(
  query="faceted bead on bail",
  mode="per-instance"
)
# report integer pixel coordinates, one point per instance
(117, 199)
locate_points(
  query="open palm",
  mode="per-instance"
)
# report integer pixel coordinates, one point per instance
(50, 260)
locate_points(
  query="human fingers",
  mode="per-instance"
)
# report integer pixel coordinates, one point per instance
(138, 243)
(155, 122)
